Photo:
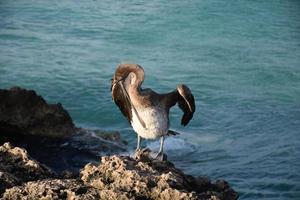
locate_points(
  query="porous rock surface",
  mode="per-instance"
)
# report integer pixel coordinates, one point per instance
(17, 167)
(116, 177)
(123, 177)
(52, 189)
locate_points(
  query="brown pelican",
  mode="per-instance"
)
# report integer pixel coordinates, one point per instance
(146, 110)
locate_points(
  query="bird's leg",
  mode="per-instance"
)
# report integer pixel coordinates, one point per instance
(160, 154)
(138, 147)
(161, 144)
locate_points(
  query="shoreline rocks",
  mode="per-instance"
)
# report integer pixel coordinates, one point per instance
(23, 112)
(147, 178)
(47, 130)
(70, 153)
(45, 156)
(115, 177)
(17, 167)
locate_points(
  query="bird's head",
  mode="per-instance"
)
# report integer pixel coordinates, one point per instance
(131, 74)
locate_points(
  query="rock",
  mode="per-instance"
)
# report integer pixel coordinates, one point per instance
(52, 189)
(16, 161)
(116, 177)
(110, 136)
(96, 141)
(7, 180)
(49, 135)
(46, 131)
(17, 167)
(70, 153)
(23, 112)
(149, 179)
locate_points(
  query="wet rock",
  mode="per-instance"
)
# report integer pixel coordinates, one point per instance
(98, 142)
(23, 112)
(46, 131)
(70, 153)
(61, 155)
(7, 180)
(110, 136)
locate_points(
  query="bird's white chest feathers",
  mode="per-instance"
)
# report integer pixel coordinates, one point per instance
(156, 121)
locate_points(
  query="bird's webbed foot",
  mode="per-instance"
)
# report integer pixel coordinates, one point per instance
(142, 150)
(160, 156)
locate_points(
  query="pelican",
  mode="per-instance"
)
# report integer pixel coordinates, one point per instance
(146, 110)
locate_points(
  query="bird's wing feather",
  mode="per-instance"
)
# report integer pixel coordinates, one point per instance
(121, 99)
(185, 100)
(119, 88)
(186, 103)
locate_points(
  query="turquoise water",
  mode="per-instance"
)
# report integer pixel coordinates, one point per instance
(241, 60)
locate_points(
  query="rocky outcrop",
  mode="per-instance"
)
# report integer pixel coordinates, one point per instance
(47, 130)
(51, 190)
(17, 167)
(116, 177)
(145, 178)
(50, 137)
(70, 153)
(23, 112)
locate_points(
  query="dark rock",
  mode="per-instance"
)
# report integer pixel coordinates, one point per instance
(110, 136)
(66, 174)
(144, 155)
(47, 132)
(70, 153)
(7, 180)
(24, 112)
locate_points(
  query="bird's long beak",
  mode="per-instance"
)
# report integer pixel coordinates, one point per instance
(117, 81)
(114, 82)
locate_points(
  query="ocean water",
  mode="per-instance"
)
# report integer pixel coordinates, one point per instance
(241, 60)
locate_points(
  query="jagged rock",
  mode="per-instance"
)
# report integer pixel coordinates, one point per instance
(16, 167)
(120, 177)
(70, 153)
(46, 131)
(24, 112)
(149, 179)
(7, 180)
(51, 190)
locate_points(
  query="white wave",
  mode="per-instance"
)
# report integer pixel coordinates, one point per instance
(172, 144)
(201, 138)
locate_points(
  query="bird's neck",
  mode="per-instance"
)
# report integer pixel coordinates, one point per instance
(135, 94)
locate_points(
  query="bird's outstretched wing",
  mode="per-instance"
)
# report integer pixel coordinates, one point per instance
(186, 103)
(185, 99)
(120, 98)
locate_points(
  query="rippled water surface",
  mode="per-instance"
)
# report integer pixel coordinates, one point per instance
(241, 59)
